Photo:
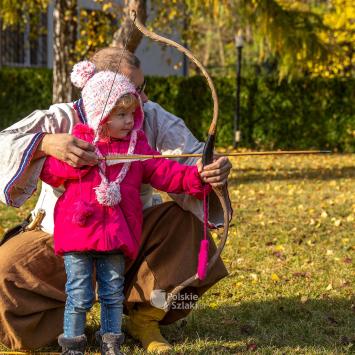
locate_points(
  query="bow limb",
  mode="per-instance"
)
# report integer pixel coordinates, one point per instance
(207, 157)
(179, 47)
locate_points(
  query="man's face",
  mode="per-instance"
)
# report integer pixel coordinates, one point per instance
(137, 77)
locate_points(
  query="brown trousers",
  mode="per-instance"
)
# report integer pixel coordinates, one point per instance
(32, 277)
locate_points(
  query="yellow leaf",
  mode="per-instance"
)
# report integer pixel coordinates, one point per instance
(337, 223)
(329, 287)
(324, 214)
(350, 218)
(304, 299)
(279, 248)
(254, 276)
(213, 305)
(275, 278)
(106, 6)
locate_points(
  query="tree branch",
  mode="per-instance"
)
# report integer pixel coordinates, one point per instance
(125, 32)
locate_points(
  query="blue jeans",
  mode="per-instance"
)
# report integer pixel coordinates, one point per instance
(80, 291)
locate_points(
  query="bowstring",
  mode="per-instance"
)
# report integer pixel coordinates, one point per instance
(113, 82)
(116, 72)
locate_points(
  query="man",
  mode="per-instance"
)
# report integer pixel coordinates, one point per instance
(32, 278)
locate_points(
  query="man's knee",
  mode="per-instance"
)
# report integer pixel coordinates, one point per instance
(6, 264)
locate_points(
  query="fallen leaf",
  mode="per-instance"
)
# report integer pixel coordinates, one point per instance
(275, 278)
(337, 223)
(279, 248)
(304, 299)
(324, 214)
(254, 276)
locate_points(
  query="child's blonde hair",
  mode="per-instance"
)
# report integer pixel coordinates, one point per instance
(125, 103)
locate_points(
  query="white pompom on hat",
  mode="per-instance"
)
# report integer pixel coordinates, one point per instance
(81, 73)
(95, 90)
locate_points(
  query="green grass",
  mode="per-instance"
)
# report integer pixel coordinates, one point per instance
(290, 258)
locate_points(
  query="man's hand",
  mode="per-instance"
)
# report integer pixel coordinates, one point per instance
(215, 173)
(67, 148)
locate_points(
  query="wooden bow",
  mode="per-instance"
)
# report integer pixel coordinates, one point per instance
(207, 156)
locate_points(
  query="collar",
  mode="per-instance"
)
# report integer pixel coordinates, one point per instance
(79, 109)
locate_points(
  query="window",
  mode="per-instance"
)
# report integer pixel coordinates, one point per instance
(18, 49)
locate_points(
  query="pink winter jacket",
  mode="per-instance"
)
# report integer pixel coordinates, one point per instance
(118, 227)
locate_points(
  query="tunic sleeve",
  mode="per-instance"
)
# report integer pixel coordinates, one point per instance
(19, 173)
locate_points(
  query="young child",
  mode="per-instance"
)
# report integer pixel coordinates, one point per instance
(98, 219)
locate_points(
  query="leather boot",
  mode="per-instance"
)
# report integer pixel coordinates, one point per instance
(143, 325)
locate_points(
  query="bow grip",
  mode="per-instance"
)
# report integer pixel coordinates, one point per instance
(207, 155)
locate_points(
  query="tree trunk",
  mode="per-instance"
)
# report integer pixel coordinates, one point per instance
(64, 38)
(128, 36)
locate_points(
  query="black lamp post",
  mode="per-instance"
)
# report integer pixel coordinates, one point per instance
(239, 47)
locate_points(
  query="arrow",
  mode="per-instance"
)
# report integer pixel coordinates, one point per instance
(112, 159)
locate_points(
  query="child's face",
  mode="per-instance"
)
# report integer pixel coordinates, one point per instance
(120, 123)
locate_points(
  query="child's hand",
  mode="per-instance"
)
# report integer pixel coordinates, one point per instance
(215, 173)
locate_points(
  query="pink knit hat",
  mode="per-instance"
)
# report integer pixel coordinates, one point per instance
(95, 91)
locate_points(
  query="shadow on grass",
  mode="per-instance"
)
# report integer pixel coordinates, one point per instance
(276, 324)
(256, 175)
